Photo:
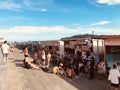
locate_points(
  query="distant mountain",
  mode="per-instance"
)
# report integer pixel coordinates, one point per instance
(90, 36)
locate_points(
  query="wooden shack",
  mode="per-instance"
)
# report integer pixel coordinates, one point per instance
(85, 42)
(112, 48)
(57, 46)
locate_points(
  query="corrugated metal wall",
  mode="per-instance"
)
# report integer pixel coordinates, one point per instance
(112, 58)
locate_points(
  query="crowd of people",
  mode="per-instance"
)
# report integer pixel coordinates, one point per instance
(70, 65)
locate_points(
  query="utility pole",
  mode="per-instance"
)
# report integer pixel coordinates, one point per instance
(93, 32)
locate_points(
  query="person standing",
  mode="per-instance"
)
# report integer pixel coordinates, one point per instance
(25, 51)
(35, 61)
(76, 61)
(48, 59)
(103, 66)
(118, 66)
(113, 77)
(5, 51)
(92, 66)
(43, 58)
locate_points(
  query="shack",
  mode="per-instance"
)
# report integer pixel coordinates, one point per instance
(85, 42)
(56, 46)
(112, 49)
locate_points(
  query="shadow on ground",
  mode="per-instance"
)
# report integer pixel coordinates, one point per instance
(81, 83)
(19, 63)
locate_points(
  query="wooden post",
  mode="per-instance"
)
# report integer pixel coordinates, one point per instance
(104, 51)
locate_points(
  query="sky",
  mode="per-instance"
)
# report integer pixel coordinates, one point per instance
(36, 20)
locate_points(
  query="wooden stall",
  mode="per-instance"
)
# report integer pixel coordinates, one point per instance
(94, 44)
(112, 47)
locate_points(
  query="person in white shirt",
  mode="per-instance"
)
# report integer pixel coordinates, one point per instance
(5, 51)
(118, 66)
(113, 77)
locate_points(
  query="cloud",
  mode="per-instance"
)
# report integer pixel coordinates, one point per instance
(43, 10)
(37, 29)
(100, 31)
(37, 2)
(36, 32)
(52, 32)
(10, 5)
(56, 29)
(100, 23)
(101, 3)
(109, 2)
(106, 31)
(37, 5)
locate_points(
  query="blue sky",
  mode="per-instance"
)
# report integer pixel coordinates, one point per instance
(26, 20)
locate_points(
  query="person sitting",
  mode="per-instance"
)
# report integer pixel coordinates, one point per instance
(28, 64)
(101, 67)
(69, 72)
(55, 70)
(58, 69)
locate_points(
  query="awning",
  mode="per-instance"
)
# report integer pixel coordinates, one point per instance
(112, 41)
